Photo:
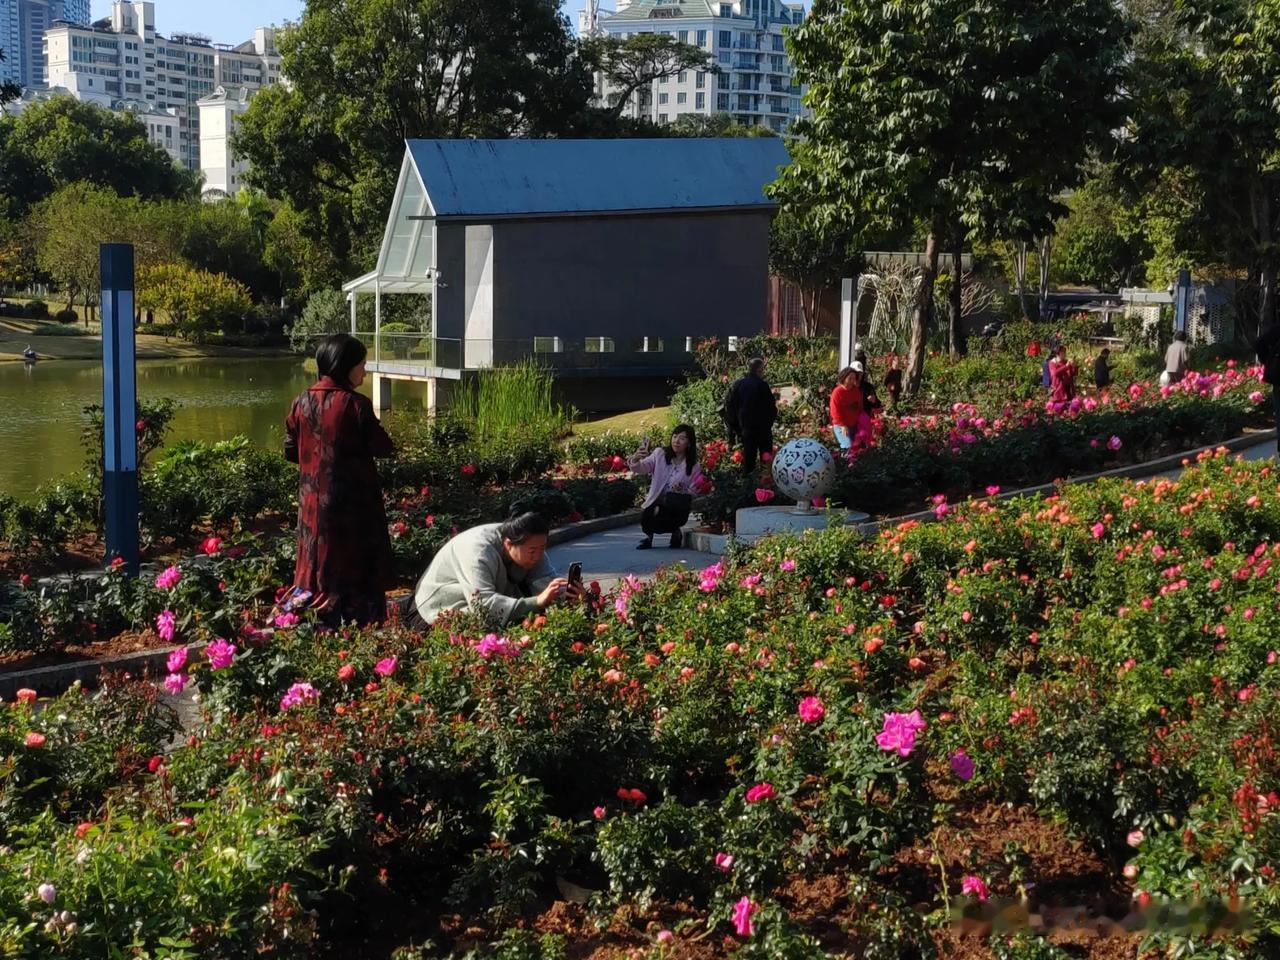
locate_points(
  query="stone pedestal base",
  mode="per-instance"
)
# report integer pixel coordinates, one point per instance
(751, 523)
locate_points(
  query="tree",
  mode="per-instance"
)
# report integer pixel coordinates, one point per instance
(1205, 124)
(967, 118)
(715, 125)
(366, 75)
(67, 228)
(632, 62)
(60, 141)
(811, 256)
(326, 312)
(197, 302)
(1096, 242)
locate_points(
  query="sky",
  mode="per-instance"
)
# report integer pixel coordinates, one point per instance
(233, 22)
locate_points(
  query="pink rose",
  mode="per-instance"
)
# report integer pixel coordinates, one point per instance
(211, 546)
(724, 861)
(962, 765)
(973, 886)
(169, 578)
(385, 667)
(35, 740)
(220, 654)
(811, 710)
(899, 732)
(764, 494)
(761, 791)
(742, 911)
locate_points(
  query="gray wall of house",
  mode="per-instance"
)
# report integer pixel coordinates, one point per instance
(662, 276)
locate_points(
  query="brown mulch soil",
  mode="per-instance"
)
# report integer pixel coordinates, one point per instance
(128, 642)
(1070, 889)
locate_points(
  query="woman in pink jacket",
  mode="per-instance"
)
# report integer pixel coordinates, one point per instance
(675, 470)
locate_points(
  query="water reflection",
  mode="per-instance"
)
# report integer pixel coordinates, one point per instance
(41, 407)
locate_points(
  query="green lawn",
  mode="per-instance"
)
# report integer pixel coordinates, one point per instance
(632, 422)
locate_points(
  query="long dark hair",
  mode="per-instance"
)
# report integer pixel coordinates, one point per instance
(337, 355)
(690, 453)
(523, 523)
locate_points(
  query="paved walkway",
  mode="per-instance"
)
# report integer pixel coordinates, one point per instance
(610, 556)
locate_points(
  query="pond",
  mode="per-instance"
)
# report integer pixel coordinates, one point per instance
(42, 407)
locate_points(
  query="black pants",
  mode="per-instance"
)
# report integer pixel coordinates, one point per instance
(754, 444)
(654, 520)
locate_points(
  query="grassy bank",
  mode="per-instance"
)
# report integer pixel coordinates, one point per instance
(16, 334)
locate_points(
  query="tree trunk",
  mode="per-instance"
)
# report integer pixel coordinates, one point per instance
(922, 315)
(1046, 252)
(957, 342)
(1020, 275)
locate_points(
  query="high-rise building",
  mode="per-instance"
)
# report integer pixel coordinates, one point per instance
(22, 27)
(10, 42)
(745, 39)
(123, 58)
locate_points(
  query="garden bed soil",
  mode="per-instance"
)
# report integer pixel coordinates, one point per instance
(1066, 880)
(129, 641)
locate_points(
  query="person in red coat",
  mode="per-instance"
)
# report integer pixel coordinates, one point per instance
(333, 435)
(845, 405)
(1062, 376)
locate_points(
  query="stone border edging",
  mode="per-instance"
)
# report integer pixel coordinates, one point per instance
(707, 542)
(582, 528)
(56, 679)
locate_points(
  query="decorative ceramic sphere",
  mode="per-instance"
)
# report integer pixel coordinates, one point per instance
(803, 469)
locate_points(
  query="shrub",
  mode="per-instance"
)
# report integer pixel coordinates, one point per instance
(66, 316)
(35, 310)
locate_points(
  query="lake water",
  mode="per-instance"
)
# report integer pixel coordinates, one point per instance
(41, 407)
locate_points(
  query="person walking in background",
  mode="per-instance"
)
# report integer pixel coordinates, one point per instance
(1101, 371)
(333, 435)
(893, 382)
(1176, 360)
(845, 404)
(752, 407)
(1268, 348)
(676, 474)
(500, 570)
(871, 404)
(1062, 376)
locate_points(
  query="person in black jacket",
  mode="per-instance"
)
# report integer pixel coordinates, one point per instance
(751, 406)
(1268, 347)
(870, 400)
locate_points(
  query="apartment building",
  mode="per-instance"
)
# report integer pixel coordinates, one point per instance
(124, 58)
(223, 171)
(745, 38)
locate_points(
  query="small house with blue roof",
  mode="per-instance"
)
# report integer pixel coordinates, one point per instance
(601, 259)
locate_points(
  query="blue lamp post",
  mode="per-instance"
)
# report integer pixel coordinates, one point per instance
(119, 404)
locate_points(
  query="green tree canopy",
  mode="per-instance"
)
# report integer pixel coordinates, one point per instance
(1099, 242)
(970, 118)
(365, 75)
(60, 141)
(1204, 135)
(629, 63)
(715, 125)
(198, 302)
(812, 255)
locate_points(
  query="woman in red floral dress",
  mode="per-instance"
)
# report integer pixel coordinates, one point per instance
(344, 551)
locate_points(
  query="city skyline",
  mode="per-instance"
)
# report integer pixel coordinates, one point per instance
(234, 24)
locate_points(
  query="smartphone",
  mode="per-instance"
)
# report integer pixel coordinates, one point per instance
(575, 573)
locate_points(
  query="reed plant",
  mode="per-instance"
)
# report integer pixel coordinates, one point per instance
(512, 398)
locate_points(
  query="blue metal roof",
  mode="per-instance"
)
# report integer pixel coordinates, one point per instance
(512, 178)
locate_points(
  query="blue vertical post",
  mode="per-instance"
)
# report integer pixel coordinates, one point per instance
(119, 404)
(1182, 300)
